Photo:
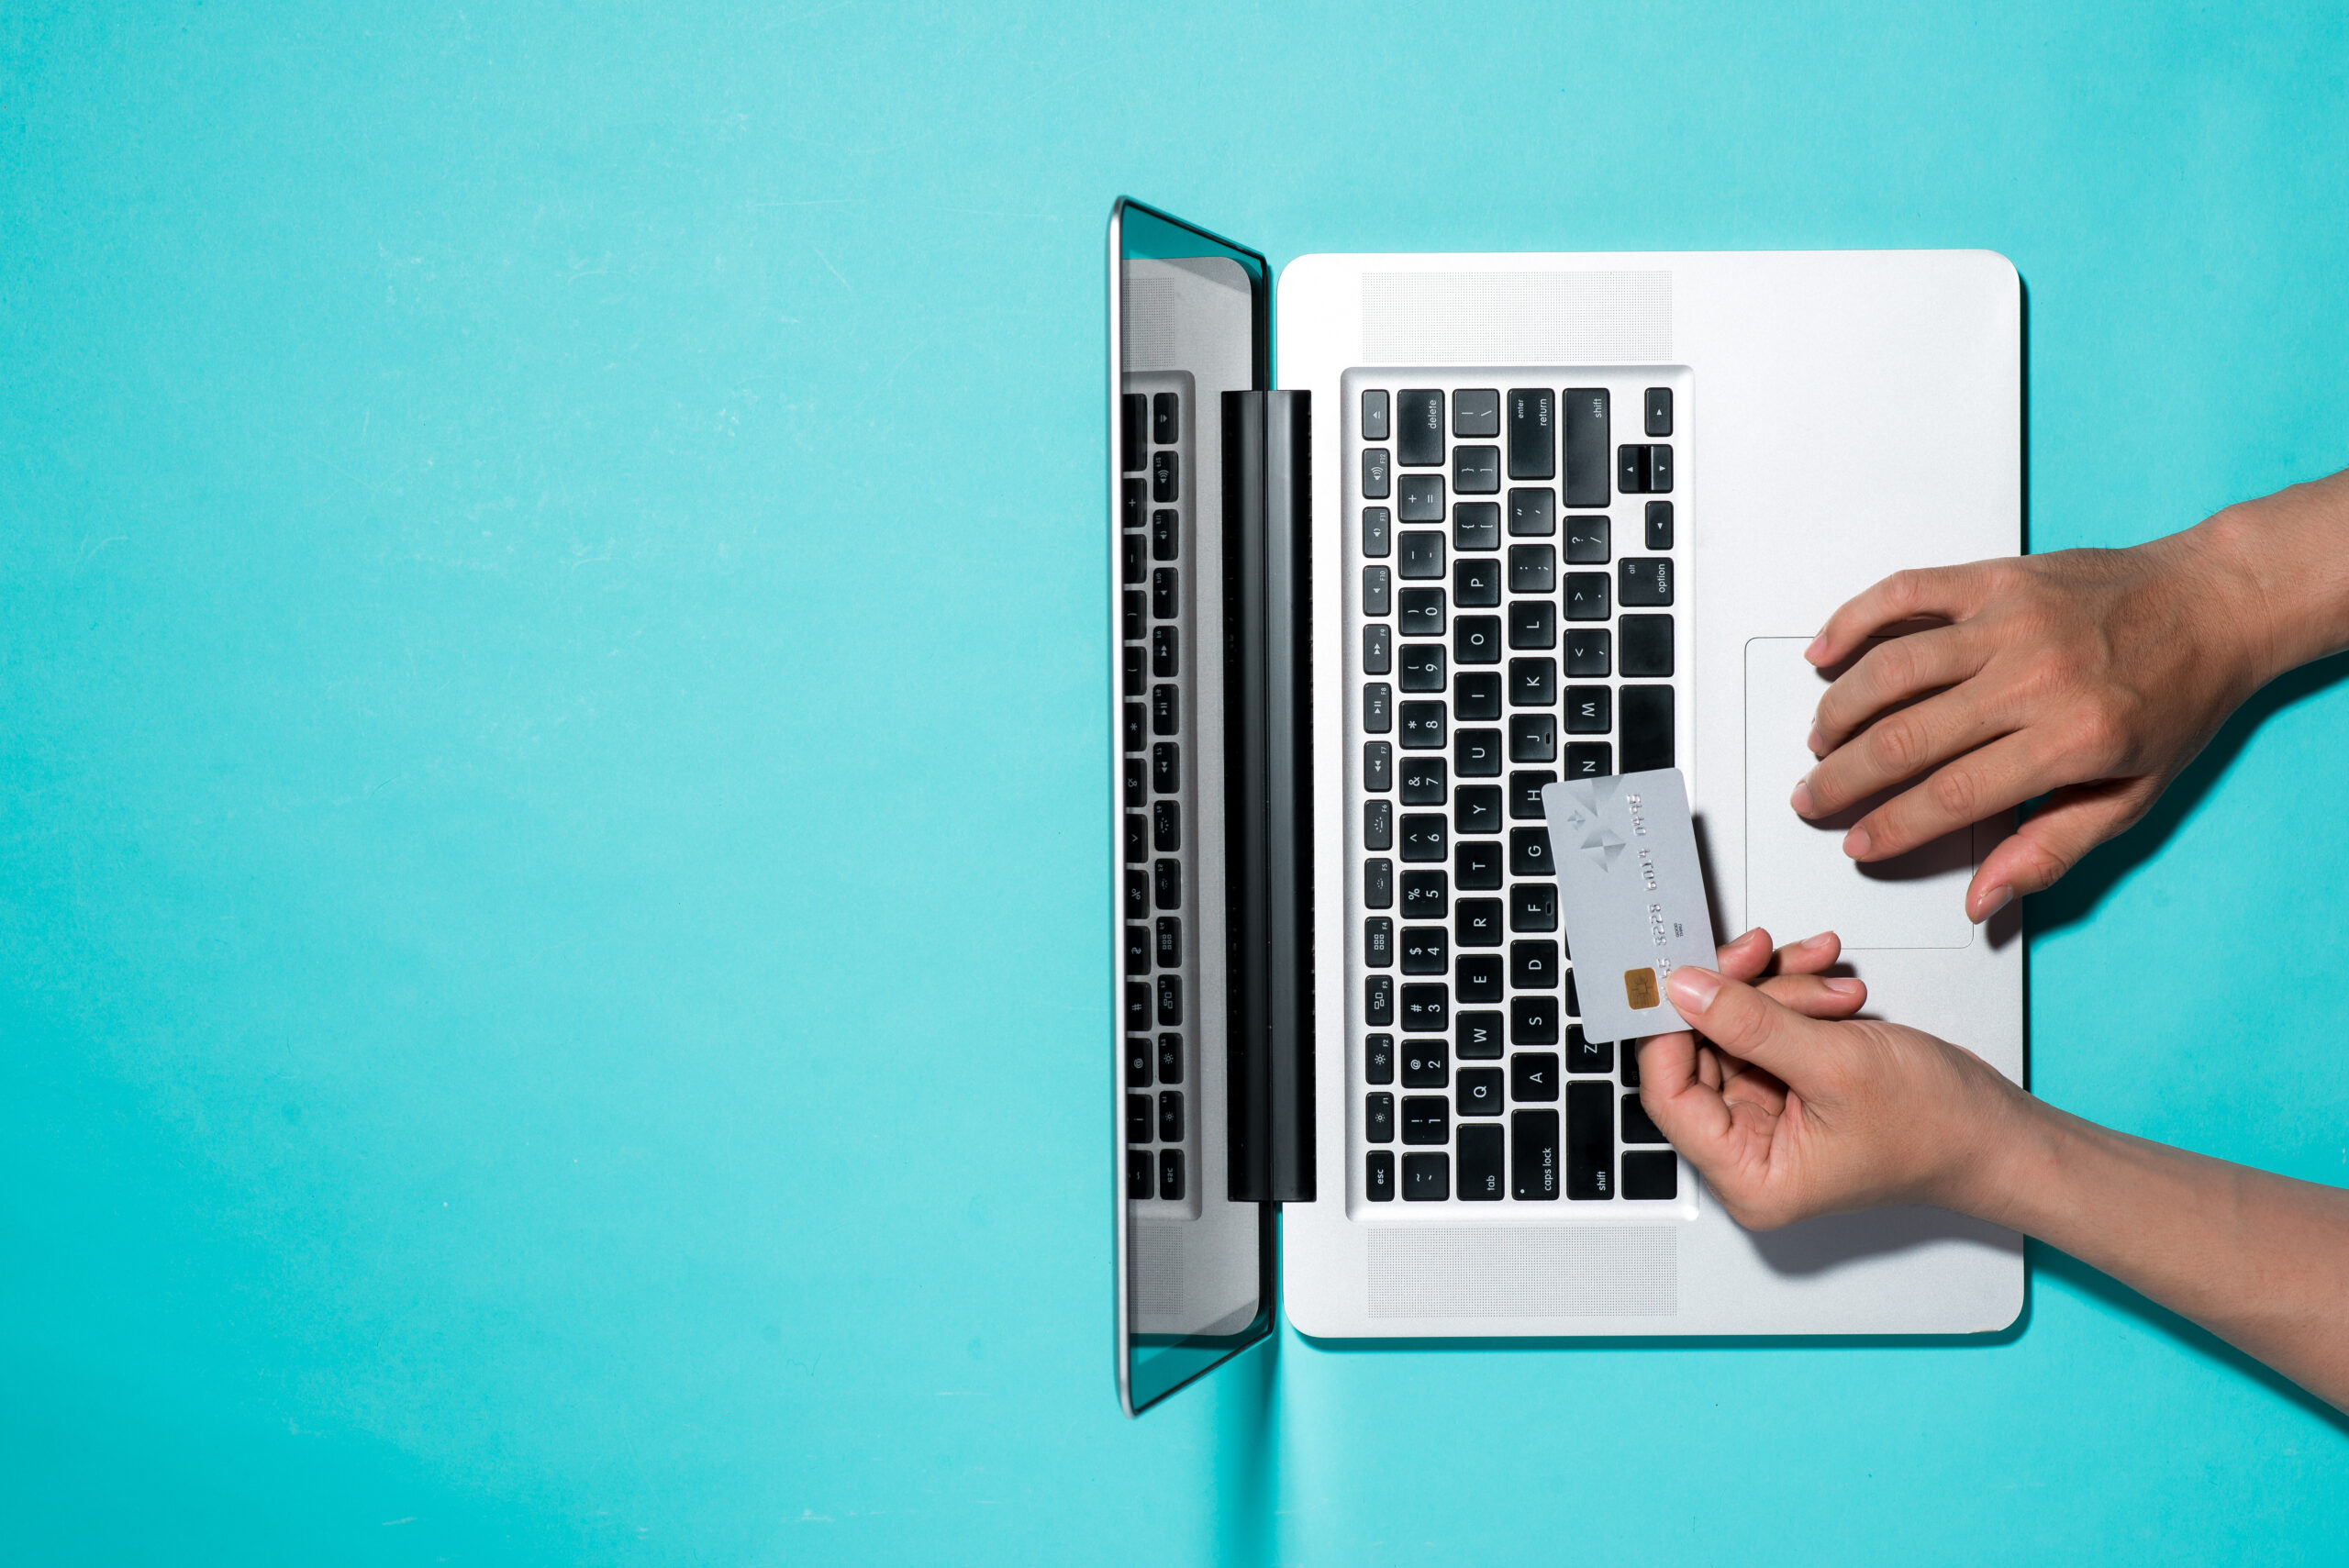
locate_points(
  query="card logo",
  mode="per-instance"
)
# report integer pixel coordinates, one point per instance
(1601, 844)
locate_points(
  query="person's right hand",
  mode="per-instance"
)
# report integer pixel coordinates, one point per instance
(1840, 1116)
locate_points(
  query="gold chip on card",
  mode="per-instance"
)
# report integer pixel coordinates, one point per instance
(1639, 988)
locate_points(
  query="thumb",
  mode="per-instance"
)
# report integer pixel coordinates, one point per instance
(2075, 819)
(1741, 1021)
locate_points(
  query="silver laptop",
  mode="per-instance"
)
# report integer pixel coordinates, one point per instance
(1440, 530)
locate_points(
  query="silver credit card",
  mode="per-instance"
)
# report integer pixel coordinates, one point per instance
(1630, 894)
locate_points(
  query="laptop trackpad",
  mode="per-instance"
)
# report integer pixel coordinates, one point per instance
(1798, 880)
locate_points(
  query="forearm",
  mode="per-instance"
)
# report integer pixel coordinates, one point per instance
(2261, 1260)
(2278, 571)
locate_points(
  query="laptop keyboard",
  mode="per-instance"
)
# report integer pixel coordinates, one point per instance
(1514, 559)
(1160, 962)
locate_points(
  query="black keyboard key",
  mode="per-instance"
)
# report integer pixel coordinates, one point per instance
(1165, 597)
(1427, 950)
(1477, 471)
(1573, 1003)
(1378, 885)
(1378, 766)
(1534, 1075)
(1476, 640)
(1631, 470)
(1422, 782)
(1589, 710)
(1165, 533)
(1426, 1008)
(1533, 1156)
(1647, 645)
(1533, 514)
(1476, 754)
(1134, 616)
(1638, 1127)
(1168, 944)
(1137, 895)
(1165, 709)
(1533, 683)
(1659, 411)
(1423, 725)
(1476, 525)
(1135, 436)
(1533, 623)
(1378, 1058)
(1533, 1021)
(1166, 660)
(1476, 415)
(1165, 480)
(1377, 707)
(1480, 1035)
(1422, 612)
(1377, 477)
(1659, 525)
(1532, 442)
(1478, 694)
(1139, 1116)
(1137, 949)
(1477, 1090)
(1170, 1000)
(1650, 1176)
(1378, 942)
(1378, 531)
(1422, 667)
(1169, 1174)
(1376, 587)
(1477, 922)
(1525, 794)
(1427, 1119)
(1170, 1059)
(1584, 414)
(1477, 582)
(1478, 976)
(1588, 541)
(1532, 569)
(1137, 560)
(1137, 838)
(1166, 826)
(1138, 1004)
(1427, 838)
(1377, 824)
(1427, 1178)
(1478, 864)
(1378, 1176)
(1136, 726)
(1165, 418)
(1590, 1140)
(1630, 1066)
(1378, 1001)
(1169, 1115)
(1378, 649)
(1645, 581)
(1660, 471)
(1529, 853)
(1374, 415)
(1481, 1159)
(1533, 906)
(1165, 767)
(1138, 1173)
(1589, 759)
(1589, 652)
(1422, 555)
(1585, 1055)
(1647, 728)
(1534, 965)
(1135, 494)
(1532, 738)
(1477, 808)
(1420, 499)
(1418, 427)
(1378, 1118)
(1587, 595)
(1425, 1064)
(1168, 875)
(1425, 895)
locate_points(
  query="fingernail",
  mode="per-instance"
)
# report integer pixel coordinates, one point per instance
(1855, 842)
(1993, 901)
(1843, 987)
(1818, 647)
(1800, 799)
(1819, 940)
(1814, 743)
(1693, 990)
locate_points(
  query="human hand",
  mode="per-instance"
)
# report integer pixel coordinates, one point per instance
(1788, 1110)
(2096, 674)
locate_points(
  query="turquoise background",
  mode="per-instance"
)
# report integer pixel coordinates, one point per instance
(552, 771)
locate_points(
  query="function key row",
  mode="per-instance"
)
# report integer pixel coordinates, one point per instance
(1579, 421)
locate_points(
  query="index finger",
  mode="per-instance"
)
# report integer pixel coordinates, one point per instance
(1948, 593)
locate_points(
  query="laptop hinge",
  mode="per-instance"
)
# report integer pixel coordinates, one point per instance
(1268, 791)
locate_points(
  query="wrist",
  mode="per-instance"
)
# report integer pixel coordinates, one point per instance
(2009, 1151)
(2279, 568)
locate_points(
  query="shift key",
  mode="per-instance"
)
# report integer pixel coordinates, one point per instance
(1588, 450)
(1590, 1139)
